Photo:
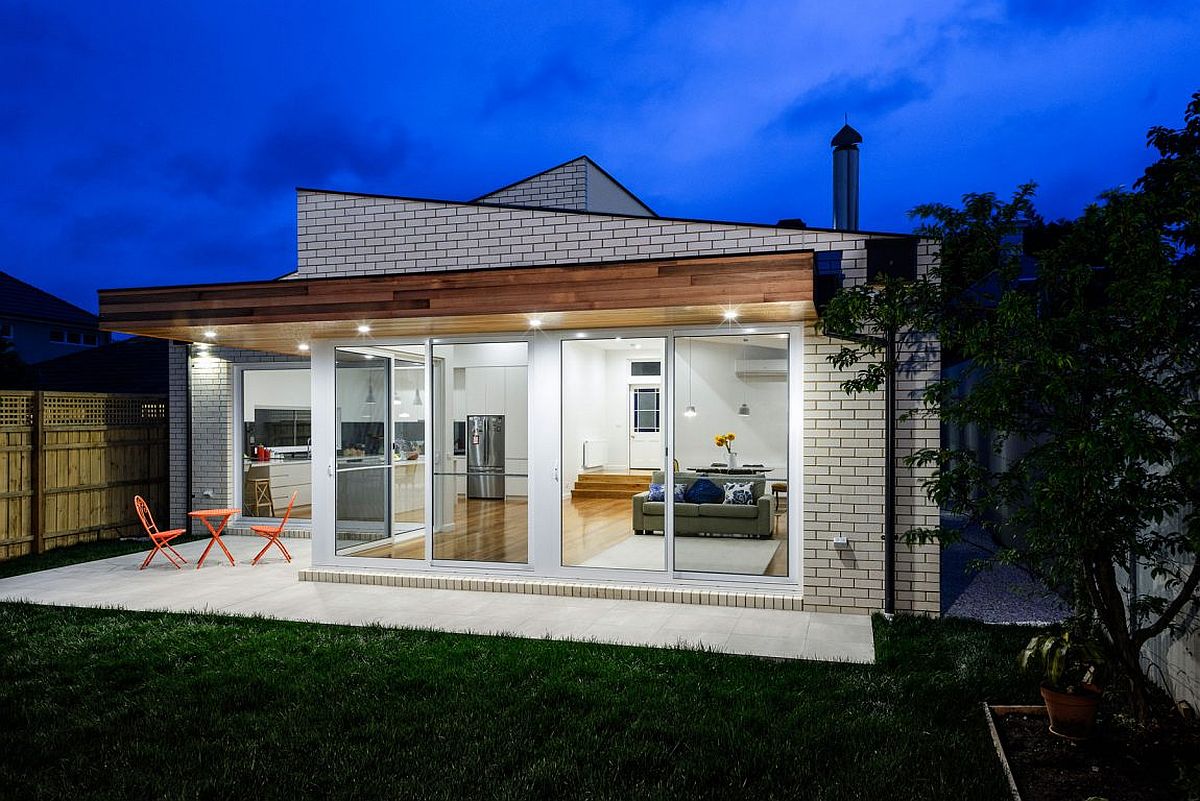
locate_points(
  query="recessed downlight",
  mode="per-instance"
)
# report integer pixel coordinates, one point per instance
(364, 329)
(535, 322)
(210, 334)
(731, 314)
(303, 346)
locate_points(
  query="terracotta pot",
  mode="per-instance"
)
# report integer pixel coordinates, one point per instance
(1072, 715)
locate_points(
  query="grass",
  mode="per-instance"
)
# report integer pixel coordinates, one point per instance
(74, 554)
(112, 704)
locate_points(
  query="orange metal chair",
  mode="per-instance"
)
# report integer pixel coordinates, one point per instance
(272, 533)
(161, 539)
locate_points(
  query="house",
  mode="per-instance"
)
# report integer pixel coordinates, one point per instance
(42, 326)
(523, 392)
(136, 365)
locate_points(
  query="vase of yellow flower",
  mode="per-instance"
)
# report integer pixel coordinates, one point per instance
(726, 441)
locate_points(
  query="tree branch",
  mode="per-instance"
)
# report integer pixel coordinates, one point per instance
(1186, 595)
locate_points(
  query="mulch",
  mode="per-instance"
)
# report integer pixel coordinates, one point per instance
(1160, 763)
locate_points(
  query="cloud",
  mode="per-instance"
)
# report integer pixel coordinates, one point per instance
(859, 97)
(555, 77)
(321, 149)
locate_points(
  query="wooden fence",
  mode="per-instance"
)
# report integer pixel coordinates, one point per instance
(70, 464)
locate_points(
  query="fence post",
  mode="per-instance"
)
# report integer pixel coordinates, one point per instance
(37, 449)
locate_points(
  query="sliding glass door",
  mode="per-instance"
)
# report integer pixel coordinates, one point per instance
(379, 435)
(480, 405)
(731, 445)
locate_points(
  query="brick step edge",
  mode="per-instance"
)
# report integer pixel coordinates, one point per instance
(679, 595)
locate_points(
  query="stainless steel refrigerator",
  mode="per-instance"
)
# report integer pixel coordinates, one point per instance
(485, 456)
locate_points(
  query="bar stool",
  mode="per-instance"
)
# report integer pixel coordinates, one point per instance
(258, 491)
(778, 488)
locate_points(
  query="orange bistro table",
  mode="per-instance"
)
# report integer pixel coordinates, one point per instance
(207, 515)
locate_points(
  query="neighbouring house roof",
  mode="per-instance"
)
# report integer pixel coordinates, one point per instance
(25, 301)
(576, 185)
(137, 365)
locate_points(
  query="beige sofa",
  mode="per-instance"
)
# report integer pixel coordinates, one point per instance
(719, 519)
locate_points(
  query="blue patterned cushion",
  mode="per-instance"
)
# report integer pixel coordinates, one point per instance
(704, 491)
(741, 494)
(658, 492)
(680, 492)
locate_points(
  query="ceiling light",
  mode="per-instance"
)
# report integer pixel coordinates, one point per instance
(689, 411)
(744, 410)
(303, 346)
(535, 322)
(580, 335)
(731, 314)
(210, 334)
(364, 329)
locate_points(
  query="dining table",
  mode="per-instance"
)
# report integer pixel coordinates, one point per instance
(208, 516)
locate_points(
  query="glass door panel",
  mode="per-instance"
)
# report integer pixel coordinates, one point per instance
(730, 434)
(480, 408)
(363, 458)
(408, 451)
(613, 453)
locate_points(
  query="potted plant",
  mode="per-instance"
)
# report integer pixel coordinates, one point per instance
(1070, 664)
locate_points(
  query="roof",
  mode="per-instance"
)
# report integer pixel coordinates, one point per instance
(137, 365)
(578, 184)
(847, 137)
(25, 301)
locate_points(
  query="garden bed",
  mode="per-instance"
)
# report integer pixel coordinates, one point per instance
(1119, 762)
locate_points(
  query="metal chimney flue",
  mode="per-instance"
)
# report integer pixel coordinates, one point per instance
(845, 178)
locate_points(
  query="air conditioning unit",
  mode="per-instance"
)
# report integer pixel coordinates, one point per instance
(761, 368)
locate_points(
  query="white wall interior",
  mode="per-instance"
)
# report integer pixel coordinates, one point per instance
(705, 377)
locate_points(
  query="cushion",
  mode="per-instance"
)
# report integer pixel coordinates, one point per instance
(728, 510)
(739, 492)
(704, 491)
(657, 492)
(658, 509)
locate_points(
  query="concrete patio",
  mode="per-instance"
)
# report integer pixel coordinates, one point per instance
(271, 589)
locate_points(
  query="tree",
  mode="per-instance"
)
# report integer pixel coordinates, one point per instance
(1095, 367)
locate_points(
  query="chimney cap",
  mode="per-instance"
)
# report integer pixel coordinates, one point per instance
(847, 137)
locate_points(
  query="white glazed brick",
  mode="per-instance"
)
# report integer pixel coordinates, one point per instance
(432, 235)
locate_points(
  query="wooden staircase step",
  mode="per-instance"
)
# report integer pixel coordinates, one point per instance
(605, 493)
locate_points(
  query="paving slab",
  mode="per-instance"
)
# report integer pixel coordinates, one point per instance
(272, 589)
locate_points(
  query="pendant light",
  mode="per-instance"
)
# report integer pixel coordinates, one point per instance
(369, 403)
(690, 409)
(744, 409)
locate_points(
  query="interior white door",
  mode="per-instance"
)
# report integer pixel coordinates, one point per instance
(645, 427)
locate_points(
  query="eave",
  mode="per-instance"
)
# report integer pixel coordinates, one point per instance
(277, 315)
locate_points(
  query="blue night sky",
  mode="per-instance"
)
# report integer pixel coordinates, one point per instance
(156, 143)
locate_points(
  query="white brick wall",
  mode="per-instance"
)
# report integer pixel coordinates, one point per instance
(358, 235)
(215, 466)
(564, 187)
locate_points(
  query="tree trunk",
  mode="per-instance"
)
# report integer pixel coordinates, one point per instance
(1113, 613)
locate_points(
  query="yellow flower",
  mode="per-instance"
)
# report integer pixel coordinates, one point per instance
(730, 437)
(720, 440)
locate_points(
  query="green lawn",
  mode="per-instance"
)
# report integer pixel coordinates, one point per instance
(113, 704)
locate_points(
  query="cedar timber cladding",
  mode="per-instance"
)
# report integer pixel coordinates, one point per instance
(763, 278)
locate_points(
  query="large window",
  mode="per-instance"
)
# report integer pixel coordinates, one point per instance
(731, 443)
(612, 453)
(276, 442)
(380, 460)
(481, 452)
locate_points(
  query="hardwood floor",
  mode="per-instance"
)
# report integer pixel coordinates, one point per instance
(497, 531)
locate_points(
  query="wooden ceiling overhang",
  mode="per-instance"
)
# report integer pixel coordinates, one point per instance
(277, 316)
